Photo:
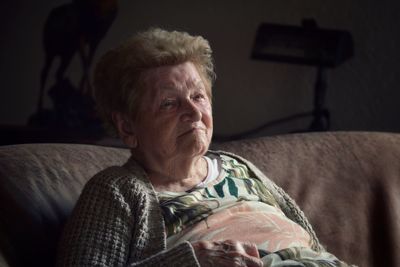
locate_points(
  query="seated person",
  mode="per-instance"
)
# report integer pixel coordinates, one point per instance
(174, 203)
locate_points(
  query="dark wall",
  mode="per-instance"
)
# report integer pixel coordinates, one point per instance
(363, 93)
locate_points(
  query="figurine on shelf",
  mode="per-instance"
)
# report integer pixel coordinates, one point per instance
(72, 28)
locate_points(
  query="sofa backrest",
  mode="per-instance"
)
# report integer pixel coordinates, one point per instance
(348, 185)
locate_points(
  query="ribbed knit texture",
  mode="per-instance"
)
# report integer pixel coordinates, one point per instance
(117, 221)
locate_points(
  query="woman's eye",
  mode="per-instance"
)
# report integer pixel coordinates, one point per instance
(168, 103)
(198, 97)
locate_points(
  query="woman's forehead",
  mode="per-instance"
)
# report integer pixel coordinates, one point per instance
(175, 77)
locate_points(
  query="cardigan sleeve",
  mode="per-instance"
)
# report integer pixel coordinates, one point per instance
(103, 224)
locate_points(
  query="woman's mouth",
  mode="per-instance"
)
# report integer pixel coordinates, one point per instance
(192, 130)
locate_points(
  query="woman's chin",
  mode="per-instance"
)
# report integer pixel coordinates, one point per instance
(194, 147)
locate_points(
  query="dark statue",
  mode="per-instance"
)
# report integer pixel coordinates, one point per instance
(72, 28)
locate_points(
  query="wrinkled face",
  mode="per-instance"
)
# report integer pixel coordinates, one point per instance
(175, 116)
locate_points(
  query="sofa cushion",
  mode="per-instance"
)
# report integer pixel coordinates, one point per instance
(39, 185)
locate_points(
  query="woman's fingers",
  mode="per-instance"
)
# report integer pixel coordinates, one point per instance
(251, 249)
(227, 253)
(241, 247)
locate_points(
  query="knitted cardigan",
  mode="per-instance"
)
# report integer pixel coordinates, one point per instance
(117, 221)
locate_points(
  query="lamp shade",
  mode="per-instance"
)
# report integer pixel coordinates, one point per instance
(306, 44)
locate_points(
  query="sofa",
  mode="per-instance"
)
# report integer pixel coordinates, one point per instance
(347, 184)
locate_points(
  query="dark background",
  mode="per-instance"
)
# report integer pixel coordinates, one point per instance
(363, 93)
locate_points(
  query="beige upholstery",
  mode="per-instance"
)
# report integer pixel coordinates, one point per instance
(348, 184)
(39, 184)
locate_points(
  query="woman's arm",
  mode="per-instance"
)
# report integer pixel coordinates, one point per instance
(103, 229)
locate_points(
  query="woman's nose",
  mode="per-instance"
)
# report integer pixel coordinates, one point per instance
(191, 112)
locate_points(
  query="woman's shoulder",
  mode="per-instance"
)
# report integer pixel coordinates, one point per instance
(127, 176)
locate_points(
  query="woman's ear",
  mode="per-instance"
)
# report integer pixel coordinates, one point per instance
(125, 129)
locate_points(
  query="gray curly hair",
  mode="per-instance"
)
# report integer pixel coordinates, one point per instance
(118, 86)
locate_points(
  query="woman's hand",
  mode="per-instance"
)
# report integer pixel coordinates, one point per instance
(227, 253)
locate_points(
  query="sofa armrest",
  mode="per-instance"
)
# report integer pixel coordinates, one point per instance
(3, 262)
(39, 186)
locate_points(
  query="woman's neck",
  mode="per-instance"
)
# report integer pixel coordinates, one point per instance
(177, 174)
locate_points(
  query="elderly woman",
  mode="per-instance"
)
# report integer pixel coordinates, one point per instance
(174, 203)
